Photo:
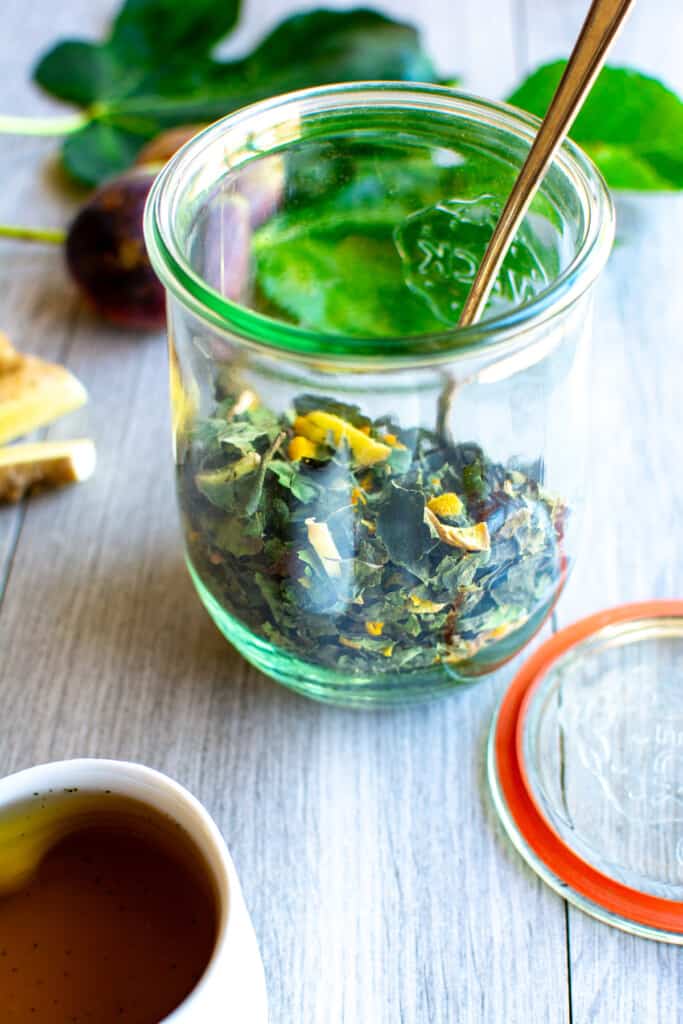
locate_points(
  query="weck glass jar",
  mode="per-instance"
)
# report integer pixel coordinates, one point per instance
(377, 506)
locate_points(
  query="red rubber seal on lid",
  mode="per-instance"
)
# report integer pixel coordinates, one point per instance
(620, 900)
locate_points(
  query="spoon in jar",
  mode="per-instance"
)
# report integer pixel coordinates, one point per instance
(597, 35)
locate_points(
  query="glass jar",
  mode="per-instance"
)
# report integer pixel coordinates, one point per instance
(377, 506)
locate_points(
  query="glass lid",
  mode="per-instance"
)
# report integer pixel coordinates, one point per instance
(586, 766)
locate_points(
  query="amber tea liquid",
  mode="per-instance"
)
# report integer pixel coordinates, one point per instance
(107, 911)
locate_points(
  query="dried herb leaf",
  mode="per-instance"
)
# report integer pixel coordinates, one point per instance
(348, 565)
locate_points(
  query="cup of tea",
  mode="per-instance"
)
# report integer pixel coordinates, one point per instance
(119, 902)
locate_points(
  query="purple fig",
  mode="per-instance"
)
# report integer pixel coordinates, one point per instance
(106, 255)
(105, 247)
(261, 182)
(223, 247)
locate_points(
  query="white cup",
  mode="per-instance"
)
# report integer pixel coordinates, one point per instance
(232, 987)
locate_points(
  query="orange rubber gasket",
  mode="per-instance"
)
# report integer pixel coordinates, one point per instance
(538, 833)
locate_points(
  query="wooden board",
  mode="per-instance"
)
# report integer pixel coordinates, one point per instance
(629, 553)
(379, 881)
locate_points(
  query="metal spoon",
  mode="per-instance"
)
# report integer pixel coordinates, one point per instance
(598, 33)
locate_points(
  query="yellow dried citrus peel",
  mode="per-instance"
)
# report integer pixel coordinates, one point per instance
(470, 538)
(43, 464)
(448, 504)
(320, 426)
(301, 448)
(421, 606)
(184, 401)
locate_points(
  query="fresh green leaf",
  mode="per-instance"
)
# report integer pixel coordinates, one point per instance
(310, 278)
(98, 151)
(156, 70)
(624, 169)
(631, 125)
(147, 32)
(441, 271)
(400, 233)
(336, 46)
(78, 72)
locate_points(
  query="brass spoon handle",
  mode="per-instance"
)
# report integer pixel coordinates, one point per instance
(599, 31)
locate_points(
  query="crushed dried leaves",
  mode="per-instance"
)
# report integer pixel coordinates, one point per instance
(357, 544)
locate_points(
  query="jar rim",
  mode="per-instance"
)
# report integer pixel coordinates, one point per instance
(264, 332)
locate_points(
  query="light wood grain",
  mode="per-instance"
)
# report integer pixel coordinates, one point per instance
(632, 546)
(381, 887)
(37, 303)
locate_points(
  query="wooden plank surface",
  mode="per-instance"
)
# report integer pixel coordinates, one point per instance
(379, 882)
(635, 404)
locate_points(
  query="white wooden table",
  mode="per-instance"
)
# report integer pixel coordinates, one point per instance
(381, 886)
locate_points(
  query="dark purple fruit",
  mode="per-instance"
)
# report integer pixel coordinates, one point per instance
(105, 247)
(223, 247)
(262, 183)
(106, 255)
